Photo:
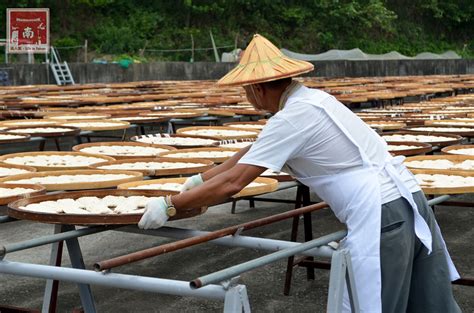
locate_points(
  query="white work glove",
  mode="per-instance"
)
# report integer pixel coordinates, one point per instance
(192, 182)
(155, 214)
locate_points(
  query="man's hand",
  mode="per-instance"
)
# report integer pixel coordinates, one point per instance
(192, 182)
(155, 214)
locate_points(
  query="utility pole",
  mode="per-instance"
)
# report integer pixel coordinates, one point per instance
(85, 51)
(216, 54)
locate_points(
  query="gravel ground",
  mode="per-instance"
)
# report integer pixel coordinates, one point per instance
(264, 285)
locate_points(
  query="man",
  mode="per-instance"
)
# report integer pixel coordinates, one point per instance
(399, 257)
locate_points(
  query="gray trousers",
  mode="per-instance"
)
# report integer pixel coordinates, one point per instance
(412, 280)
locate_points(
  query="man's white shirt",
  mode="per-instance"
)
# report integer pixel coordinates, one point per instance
(303, 140)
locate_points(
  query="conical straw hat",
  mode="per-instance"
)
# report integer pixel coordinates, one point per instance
(263, 62)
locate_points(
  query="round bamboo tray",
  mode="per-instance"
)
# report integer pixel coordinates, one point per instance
(6, 157)
(74, 117)
(449, 113)
(134, 176)
(20, 167)
(451, 149)
(80, 147)
(280, 176)
(143, 184)
(173, 114)
(213, 129)
(156, 139)
(453, 158)
(465, 132)
(204, 165)
(220, 112)
(141, 119)
(91, 219)
(37, 190)
(237, 111)
(386, 125)
(35, 131)
(270, 185)
(215, 159)
(410, 121)
(421, 148)
(29, 123)
(21, 114)
(445, 190)
(451, 123)
(456, 139)
(247, 125)
(14, 137)
(235, 143)
(89, 124)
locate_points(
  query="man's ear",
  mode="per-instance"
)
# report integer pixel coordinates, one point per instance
(260, 89)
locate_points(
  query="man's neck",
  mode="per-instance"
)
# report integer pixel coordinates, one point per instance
(286, 93)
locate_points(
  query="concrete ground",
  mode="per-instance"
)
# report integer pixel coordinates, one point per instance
(264, 285)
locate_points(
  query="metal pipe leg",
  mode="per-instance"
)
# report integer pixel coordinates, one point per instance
(56, 141)
(236, 300)
(341, 276)
(293, 237)
(41, 145)
(51, 290)
(308, 228)
(77, 261)
(291, 259)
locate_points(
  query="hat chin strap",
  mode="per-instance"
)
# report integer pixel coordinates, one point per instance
(254, 95)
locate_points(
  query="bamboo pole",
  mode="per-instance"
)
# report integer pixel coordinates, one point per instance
(173, 246)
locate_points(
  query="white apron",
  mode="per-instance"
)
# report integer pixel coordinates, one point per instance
(356, 200)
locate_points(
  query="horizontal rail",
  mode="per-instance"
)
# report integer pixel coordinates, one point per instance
(27, 244)
(236, 270)
(438, 200)
(6, 219)
(173, 246)
(256, 243)
(82, 276)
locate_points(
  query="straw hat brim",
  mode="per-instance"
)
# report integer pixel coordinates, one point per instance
(263, 62)
(232, 78)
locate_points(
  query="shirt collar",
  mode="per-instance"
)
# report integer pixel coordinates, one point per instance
(292, 87)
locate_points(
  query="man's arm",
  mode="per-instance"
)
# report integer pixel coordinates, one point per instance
(226, 165)
(218, 188)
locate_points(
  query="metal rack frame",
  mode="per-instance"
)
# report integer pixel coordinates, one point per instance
(221, 285)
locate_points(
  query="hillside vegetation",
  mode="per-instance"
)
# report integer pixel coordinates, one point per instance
(141, 29)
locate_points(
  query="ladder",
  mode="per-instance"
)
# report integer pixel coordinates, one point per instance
(62, 73)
